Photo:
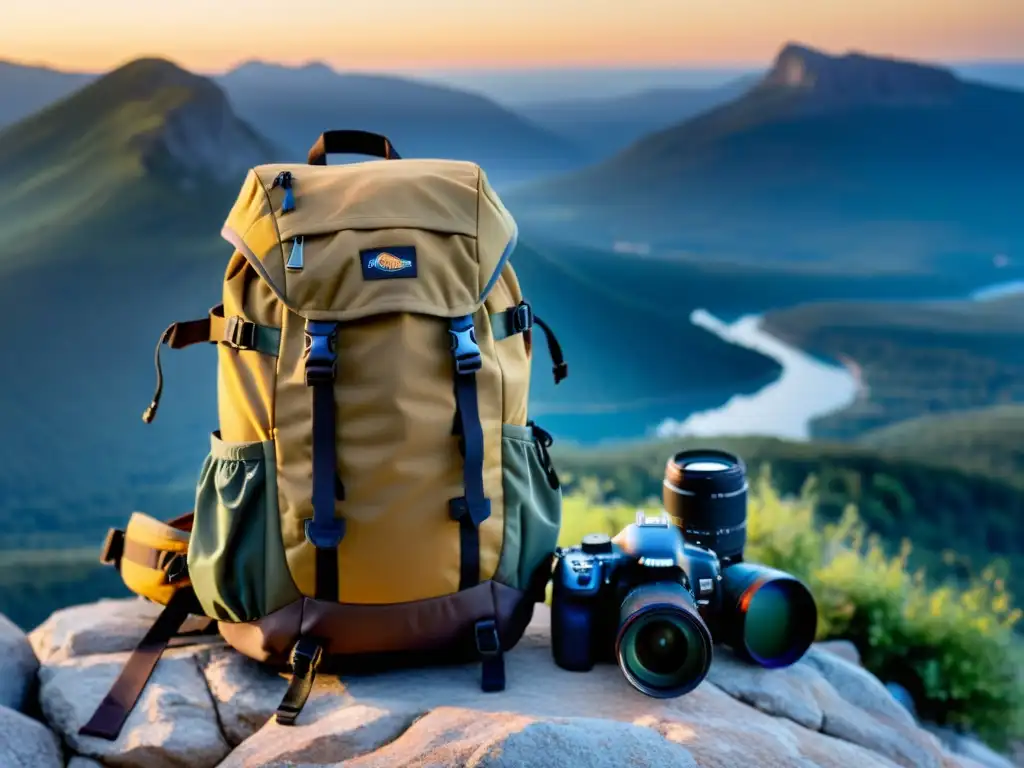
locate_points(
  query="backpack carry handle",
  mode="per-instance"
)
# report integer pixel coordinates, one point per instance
(351, 143)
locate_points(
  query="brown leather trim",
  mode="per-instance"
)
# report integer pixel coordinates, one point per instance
(424, 626)
(268, 639)
(183, 522)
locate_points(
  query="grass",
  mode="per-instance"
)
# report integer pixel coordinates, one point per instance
(953, 647)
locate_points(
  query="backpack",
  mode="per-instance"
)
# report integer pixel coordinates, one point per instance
(376, 494)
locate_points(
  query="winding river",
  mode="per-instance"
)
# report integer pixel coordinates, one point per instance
(806, 389)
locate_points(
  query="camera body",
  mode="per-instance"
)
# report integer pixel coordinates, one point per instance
(592, 580)
(659, 595)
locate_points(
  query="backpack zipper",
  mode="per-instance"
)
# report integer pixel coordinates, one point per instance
(295, 257)
(284, 181)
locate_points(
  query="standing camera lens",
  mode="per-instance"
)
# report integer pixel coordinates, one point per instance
(705, 492)
(663, 645)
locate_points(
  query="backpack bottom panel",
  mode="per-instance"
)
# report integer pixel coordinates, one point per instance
(436, 630)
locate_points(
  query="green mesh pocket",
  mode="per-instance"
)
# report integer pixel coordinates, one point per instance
(236, 559)
(533, 508)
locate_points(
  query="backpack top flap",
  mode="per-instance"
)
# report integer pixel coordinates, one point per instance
(364, 226)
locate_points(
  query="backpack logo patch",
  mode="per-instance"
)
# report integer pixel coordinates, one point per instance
(387, 263)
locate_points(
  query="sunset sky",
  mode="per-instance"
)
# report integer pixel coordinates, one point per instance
(212, 35)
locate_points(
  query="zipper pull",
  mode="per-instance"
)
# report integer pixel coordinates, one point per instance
(295, 257)
(284, 181)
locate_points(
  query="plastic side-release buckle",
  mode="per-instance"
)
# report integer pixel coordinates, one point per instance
(321, 352)
(465, 349)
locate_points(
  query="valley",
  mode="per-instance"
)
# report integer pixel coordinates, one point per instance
(837, 220)
(916, 359)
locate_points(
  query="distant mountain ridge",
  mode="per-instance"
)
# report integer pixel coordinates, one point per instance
(293, 105)
(826, 154)
(127, 144)
(856, 78)
(609, 124)
(25, 89)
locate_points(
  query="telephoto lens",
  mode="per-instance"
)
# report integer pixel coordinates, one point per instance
(705, 493)
(769, 617)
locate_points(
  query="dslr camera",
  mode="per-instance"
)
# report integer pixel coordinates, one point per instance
(659, 595)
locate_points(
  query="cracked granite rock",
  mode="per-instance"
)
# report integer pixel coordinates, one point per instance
(209, 707)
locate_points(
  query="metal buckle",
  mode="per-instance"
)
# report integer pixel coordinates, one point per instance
(465, 351)
(239, 333)
(521, 317)
(488, 643)
(113, 548)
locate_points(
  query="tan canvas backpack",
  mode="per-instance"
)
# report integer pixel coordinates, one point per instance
(376, 492)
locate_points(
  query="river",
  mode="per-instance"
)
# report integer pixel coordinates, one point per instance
(806, 389)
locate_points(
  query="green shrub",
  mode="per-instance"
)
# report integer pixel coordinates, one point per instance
(953, 647)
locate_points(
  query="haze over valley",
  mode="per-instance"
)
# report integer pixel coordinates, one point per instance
(700, 245)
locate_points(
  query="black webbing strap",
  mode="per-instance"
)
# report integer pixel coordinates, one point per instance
(520, 319)
(324, 531)
(559, 366)
(109, 717)
(474, 507)
(488, 646)
(305, 659)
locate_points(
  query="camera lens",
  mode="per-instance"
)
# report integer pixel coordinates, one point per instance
(771, 617)
(663, 645)
(659, 645)
(705, 491)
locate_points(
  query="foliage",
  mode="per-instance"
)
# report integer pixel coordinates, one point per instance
(959, 520)
(952, 646)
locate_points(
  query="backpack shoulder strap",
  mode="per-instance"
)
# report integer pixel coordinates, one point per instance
(109, 717)
(136, 545)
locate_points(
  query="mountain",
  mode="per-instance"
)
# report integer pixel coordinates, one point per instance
(1009, 74)
(26, 89)
(852, 156)
(608, 125)
(294, 105)
(985, 440)
(112, 200)
(148, 140)
(915, 358)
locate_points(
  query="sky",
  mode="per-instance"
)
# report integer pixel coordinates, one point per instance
(404, 35)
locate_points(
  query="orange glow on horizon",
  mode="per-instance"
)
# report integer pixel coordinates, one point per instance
(460, 34)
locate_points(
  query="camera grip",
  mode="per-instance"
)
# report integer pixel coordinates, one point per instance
(572, 632)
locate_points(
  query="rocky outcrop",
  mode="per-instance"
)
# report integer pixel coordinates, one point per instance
(861, 79)
(18, 665)
(207, 706)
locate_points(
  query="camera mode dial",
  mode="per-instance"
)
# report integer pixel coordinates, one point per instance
(596, 544)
